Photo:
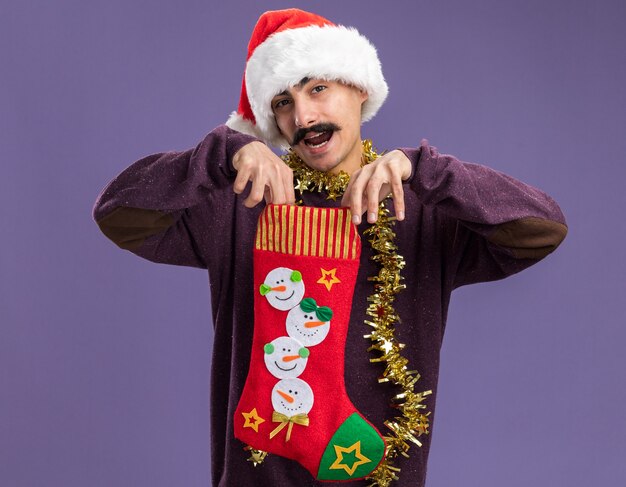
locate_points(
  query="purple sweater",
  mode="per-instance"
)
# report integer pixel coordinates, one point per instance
(464, 223)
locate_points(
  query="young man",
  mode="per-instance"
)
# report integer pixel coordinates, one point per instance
(309, 85)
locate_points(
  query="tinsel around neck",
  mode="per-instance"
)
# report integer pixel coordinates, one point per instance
(308, 179)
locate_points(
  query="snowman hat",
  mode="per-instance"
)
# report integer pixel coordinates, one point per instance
(289, 45)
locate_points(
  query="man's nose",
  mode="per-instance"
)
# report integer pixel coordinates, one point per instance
(305, 114)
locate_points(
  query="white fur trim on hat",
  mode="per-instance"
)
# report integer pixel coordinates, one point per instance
(328, 52)
(237, 122)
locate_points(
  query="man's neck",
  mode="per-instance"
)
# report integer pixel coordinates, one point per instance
(352, 162)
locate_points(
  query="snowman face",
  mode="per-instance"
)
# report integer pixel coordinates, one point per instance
(292, 396)
(306, 326)
(285, 357)
(283, 288)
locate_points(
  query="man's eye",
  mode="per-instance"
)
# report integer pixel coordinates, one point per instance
(318, 88)
(281, 103)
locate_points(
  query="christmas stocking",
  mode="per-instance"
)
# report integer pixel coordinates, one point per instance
(294, 403)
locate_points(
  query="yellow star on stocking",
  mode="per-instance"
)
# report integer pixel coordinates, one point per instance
(253, 420)
(340, 450)
(328, 278)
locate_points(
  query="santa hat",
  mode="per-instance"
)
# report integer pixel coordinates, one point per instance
(289, 45)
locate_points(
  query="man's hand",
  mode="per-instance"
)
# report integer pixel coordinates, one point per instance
(271, 178)
(373, 183)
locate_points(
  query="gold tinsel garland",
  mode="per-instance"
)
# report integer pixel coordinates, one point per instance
(412, 422)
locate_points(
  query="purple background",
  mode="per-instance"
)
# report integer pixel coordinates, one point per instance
(104, 357)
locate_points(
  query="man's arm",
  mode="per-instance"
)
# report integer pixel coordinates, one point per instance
(501, 224)
(495, 225)
(149, 208)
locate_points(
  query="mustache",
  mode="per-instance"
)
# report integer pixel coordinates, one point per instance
(319, 127)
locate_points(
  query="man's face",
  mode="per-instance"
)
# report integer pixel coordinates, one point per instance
(322, 122)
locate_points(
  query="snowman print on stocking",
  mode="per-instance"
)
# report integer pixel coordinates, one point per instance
(308, 322)
(285, 357)
(292, 396)
(283, 288)
(292, 400)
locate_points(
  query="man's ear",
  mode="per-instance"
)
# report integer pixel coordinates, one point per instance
(364, 96)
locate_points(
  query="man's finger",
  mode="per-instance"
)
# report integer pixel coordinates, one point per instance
(256, 193)
(355, 197)
(345, 199)
(278, 190)
(243, 176)
(373, 193)
(290, 194)
(398, 197)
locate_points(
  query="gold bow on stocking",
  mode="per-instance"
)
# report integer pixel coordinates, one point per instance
(301, 419)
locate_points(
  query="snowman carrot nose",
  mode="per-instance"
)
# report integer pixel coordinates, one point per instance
(313, 324)
(279, 288)
(286, 396)
(289, 358)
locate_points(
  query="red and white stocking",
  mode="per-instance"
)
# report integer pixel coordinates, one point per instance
(294, 403)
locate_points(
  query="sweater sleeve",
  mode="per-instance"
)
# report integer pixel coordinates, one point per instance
(152, 207)
(494, 225)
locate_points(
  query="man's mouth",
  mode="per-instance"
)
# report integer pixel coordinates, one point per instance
(315, 136)
(315, 140)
